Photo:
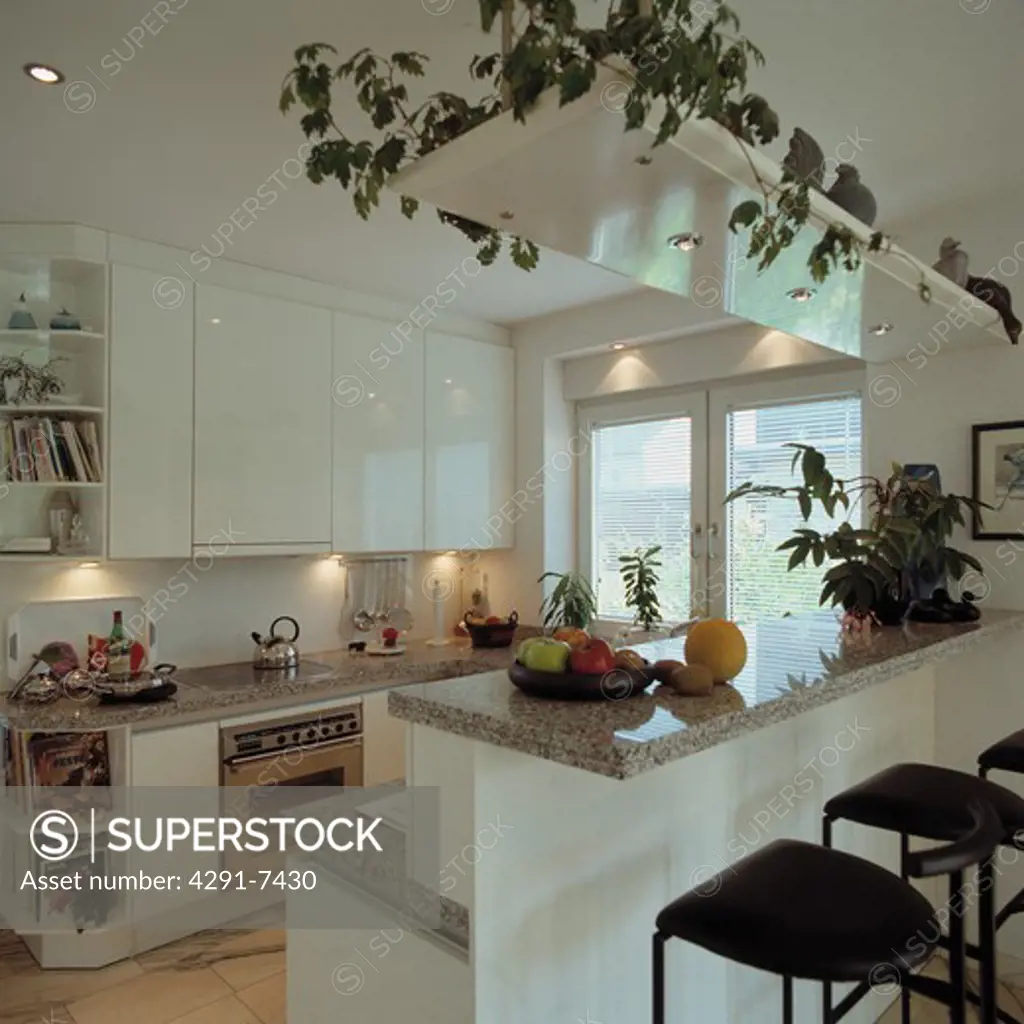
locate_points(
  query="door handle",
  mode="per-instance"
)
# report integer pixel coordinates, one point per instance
(696, 533)
(712, 534)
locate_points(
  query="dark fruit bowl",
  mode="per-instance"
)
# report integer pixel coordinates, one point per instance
(615, 685)
(495, 634)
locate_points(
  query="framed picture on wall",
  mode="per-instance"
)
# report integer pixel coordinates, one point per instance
(998, 474)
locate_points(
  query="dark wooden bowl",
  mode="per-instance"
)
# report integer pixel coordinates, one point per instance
(618, 684)
(497, 634)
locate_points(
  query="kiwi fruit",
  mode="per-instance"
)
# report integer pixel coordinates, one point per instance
(692, 680)
(661, 670)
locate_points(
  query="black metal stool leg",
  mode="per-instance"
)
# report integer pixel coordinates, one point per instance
(658, 980)
(826, 988)
(957, 981)
(904, 991)
(787, 1000)
(987, 942)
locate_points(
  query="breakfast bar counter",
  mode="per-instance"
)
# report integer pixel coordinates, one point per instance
(566, 826)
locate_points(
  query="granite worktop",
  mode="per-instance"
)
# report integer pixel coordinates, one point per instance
(223, 691)
(794, 664)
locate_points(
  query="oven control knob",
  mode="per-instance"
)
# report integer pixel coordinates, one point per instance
(340, 727)
(295, 737)
(310, 733)
(282, 740)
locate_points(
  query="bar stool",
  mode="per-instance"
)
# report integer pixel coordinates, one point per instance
(804, 911)
(930, 802)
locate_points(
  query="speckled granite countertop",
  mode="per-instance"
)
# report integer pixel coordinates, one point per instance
(794, 665)
(223, 691)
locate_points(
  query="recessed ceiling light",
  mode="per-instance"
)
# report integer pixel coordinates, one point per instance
(686, 241)
(372, 394)
(448, 380)
(618, 346)
(882, 328)
(801, 294)
(43, 73)
(88, 565)
(215, 320)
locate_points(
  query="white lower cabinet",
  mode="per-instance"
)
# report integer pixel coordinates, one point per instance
(262, 422)
(384, 741)
(181, 758)
(469, 438)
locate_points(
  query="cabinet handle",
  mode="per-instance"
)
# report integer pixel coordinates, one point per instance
(712, 534)
(695, 534)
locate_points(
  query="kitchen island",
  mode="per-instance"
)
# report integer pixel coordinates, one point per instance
(565, 827)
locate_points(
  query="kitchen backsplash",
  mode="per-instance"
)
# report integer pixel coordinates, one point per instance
(205, 612)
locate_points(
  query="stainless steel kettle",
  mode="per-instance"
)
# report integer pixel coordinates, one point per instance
(275, 651)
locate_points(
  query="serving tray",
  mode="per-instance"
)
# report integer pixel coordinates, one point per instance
(619, 684)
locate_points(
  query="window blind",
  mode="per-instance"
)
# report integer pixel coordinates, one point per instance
(641, 497)
(757, 581)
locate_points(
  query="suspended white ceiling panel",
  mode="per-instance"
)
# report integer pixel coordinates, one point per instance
(569, 179)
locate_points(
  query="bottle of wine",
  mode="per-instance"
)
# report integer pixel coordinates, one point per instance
(119, 652)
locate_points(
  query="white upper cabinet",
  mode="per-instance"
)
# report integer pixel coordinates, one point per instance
(378, 436)
(469, 464)
(150, 454)
(262, 422)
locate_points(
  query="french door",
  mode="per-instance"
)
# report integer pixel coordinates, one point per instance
(645, 483)
(658, 472)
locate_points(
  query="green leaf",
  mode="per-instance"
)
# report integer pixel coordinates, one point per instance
(744, 215)
(804, 500)
(287, 99)
(409, 206)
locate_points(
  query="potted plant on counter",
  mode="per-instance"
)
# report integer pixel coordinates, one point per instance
(639, 573)
(873, 569)
(570, 603)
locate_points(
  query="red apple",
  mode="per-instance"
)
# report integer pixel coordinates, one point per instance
(494, 620)
(389, 636)
(595, 658)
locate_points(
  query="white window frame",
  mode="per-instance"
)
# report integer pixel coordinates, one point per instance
(709, 407)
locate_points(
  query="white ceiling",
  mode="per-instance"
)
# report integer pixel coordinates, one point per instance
(187, 128)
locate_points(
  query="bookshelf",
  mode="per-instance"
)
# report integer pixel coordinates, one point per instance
(52, 446)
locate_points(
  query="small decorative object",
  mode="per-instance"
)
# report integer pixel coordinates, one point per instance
(639, 573)
(60, 511)
(494, 631)
(65, 321)
(78, 538)
(21, 381)
(571, 603)
(857, 622)
(874, 568)
(805, 160)
(940, 607)
(998, 478)
(852, 195)
(952, 262)
(21, 318)
(718, 644)
(997, 295)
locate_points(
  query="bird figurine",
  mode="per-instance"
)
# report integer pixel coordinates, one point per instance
(952, 262)
(852, 195)
(997, 295)
(805, 160)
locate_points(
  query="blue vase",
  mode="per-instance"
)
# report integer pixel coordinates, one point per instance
(65, 321)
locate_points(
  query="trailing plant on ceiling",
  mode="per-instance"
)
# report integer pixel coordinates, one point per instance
(691, 60)
(910, 523)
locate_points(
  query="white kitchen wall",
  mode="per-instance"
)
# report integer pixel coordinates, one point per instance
(210, 609)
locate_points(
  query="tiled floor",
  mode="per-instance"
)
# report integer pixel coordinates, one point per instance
(212, 978)
(227, 978)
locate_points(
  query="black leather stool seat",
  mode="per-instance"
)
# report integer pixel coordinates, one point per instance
(1007, 755)
(806, 911)
(925, 800)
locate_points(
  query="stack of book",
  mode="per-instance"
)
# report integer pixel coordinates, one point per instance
(38, 449)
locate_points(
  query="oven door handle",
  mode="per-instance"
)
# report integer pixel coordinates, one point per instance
(269, 755)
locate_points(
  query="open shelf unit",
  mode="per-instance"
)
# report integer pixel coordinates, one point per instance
(50, 283)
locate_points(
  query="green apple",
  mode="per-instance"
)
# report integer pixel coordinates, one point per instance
(524, 646)
(547, 655)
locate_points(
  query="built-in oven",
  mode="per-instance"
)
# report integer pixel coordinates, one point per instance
(323, 749)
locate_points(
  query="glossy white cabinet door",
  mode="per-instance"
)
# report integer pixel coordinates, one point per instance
(263, 420)
(150, 454)
(378, 436)
(469, 484)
